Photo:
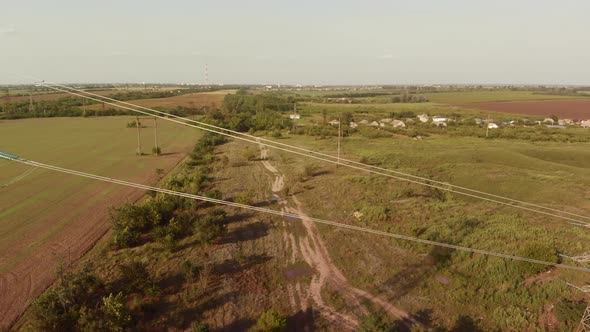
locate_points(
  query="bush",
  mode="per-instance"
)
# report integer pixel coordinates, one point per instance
(189, 270)
(271, 321)
(569, 312)
(376, 323)
(117, 317)
(135, 277)
(245, 197)
(250, 153)
(58, 309)
(157, 151)
(129, 221)
(375, 213)
(210, 227)
(537, 250)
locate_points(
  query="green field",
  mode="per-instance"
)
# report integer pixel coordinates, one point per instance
(550, 174)
(49, 217)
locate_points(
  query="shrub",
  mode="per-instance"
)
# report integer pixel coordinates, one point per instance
(135, 277)
(210, 227)
(271, 321)
(250, 153)
(157, 151)
(117, 317)
(189, 270)
(376, 322)
(245, 197)
(569, 312)
(537, 250)
(375, 213)
(310, 169)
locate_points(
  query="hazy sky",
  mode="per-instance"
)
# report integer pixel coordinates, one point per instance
(304, 41)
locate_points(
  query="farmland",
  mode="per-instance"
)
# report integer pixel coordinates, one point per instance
(48, 218)
(318, 276)
(191, 100)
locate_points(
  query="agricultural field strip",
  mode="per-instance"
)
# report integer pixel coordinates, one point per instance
(293, 215)
(343, 162)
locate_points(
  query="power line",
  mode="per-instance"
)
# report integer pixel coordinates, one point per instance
(338, 160)
(256, 140)
(293, 215)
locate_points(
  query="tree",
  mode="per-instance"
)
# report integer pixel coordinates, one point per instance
(271, 321)
(210, 227)
(117, 317)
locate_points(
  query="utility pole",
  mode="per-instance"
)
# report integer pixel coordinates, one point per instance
(138, 136)
(339, 135)
(157, 150)
(488, 126)
(31, 107)
(584, 325)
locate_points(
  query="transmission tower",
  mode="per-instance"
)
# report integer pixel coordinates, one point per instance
(584, 325)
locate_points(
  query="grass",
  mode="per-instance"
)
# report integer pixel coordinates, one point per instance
(551, 174)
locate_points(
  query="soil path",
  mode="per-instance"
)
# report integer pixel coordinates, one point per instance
(313, 251)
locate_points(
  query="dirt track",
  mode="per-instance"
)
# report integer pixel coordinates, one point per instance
(312, 249)
(564, 109)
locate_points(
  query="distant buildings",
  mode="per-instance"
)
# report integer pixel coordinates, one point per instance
(423, 118)
(294, 116)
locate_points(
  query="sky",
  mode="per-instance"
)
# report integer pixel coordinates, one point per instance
(325, 42)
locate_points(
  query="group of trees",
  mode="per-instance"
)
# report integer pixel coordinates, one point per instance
(75, 106)
(83, 301)
(169, 218)
(247, 112)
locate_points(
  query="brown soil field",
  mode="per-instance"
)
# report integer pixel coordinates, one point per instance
(49, 218)
(198, 99)
(570, 109)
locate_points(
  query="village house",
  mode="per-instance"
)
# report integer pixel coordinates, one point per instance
(563, 122)
(353, 124)
(294, 116)
(585, 124)
(423, 118)
(334, 122)
(439, 119)
(492, 125)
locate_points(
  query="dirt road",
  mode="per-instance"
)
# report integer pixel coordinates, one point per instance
(312, 249)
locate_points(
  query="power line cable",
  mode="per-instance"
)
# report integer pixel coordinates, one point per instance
(257, 141)
(340, 161)
(294, 215)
